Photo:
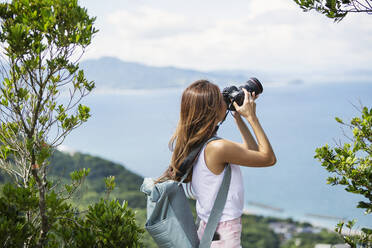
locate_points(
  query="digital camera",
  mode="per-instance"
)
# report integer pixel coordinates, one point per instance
(233, 94)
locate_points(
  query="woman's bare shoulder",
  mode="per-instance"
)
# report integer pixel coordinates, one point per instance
(214, 157)
(216, 143)
(219, 145)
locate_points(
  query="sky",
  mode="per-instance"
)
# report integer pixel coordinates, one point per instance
(254, 35)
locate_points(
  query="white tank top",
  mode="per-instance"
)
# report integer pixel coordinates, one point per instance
(205, 185)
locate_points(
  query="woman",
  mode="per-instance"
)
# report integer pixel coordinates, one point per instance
(202, 108)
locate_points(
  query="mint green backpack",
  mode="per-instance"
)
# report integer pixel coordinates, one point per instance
(169, 218)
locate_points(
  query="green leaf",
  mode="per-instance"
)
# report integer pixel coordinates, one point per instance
(350, 224)
(339, 120)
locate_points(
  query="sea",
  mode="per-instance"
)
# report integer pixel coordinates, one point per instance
(133, 127)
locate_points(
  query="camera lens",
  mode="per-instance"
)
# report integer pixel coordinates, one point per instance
(233, 94)
(253, 85)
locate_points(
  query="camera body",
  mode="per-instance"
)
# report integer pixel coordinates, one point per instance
(234, 94)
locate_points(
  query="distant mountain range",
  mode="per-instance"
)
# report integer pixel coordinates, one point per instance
(113, 73)
(109, 72)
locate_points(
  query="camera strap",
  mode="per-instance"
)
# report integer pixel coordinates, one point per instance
(220, 123)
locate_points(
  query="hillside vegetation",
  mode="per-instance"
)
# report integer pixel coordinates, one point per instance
(256, 229)
(127, 182)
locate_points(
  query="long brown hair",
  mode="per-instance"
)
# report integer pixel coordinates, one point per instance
(201, 107)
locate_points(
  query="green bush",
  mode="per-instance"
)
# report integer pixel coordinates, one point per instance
(105, 223)
(112, 224)
(14, 227)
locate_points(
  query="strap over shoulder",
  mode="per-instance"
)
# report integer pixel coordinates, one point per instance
(186, 165)
(219, 204)
(217, 210)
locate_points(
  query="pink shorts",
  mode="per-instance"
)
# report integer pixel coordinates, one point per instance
(230, 232)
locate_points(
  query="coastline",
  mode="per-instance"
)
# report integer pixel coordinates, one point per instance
(317, 221)
(320, 221)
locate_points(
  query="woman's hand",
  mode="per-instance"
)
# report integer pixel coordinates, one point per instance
(236, 115)
(248, 108)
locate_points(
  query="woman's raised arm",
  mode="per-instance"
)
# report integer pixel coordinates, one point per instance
(225, 151)
(248, 140)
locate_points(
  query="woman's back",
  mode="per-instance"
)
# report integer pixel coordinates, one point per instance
(205, 185)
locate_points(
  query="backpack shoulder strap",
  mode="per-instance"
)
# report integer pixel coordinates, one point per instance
(217, 209)
(220, 201)
(187, 163)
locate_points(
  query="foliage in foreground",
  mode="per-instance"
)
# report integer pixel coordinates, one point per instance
(336, 9)
(104, 224)
(351, 166)
(40, 92)
(41, 86)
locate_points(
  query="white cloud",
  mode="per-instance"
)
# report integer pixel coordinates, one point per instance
(147, 23)
(272, 35)
(66, 149)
